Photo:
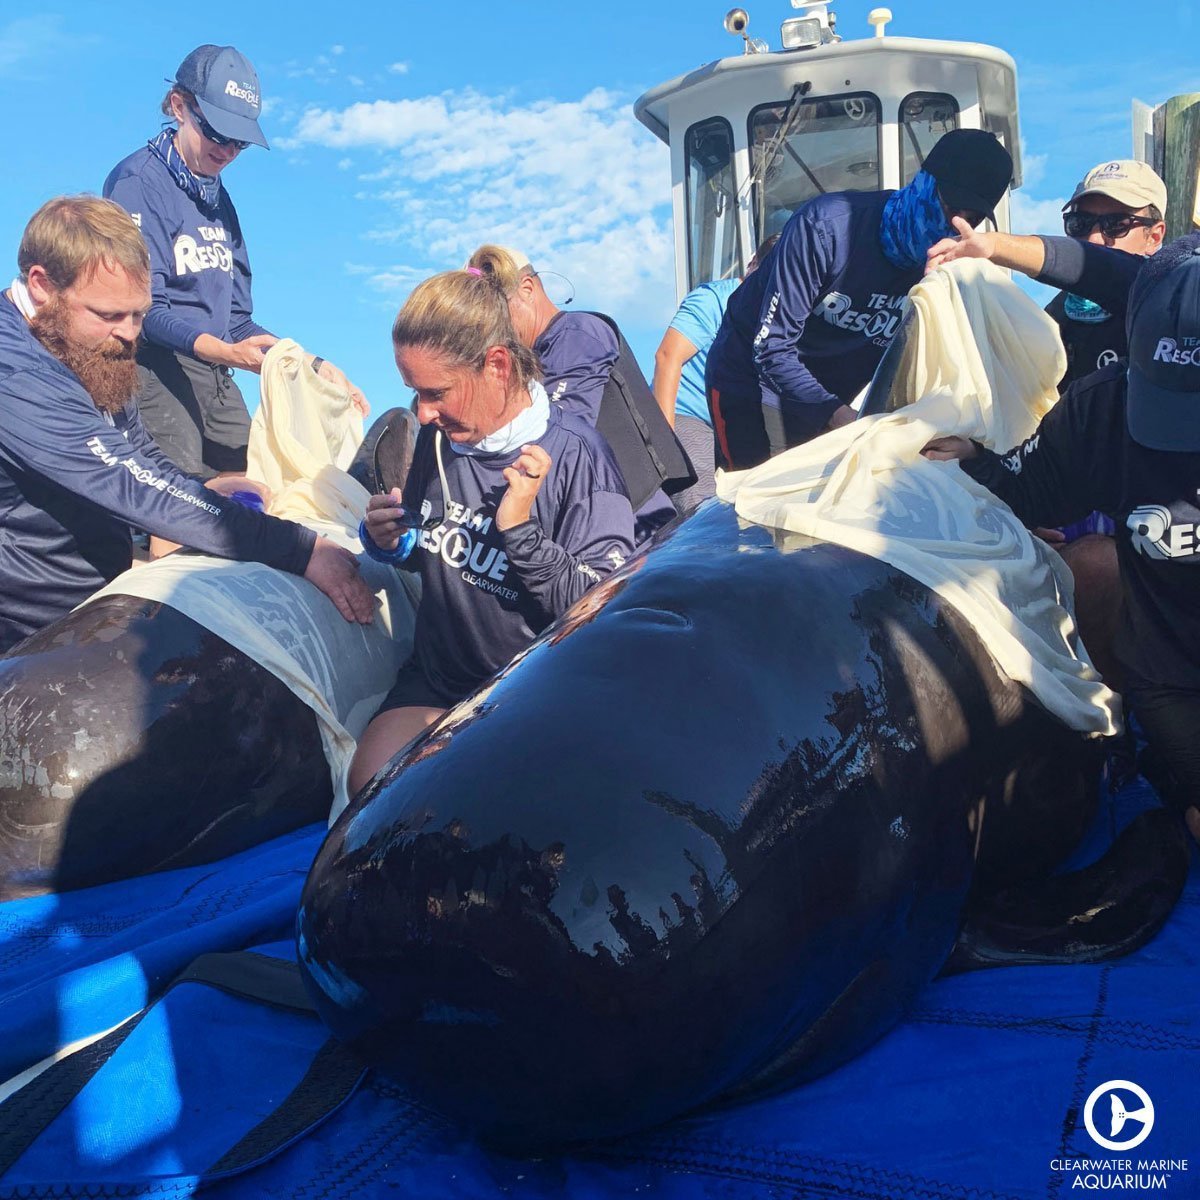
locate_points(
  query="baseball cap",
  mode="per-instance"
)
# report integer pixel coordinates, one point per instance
(972, 169)
(1127, 181)
(226, 89)
(1163, 401)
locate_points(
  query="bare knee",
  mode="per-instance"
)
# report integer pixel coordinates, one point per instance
(386, 736)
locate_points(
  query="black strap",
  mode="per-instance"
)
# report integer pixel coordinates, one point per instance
(329, 1081)
(327, 1084)
(273, 981)
(27, 1112)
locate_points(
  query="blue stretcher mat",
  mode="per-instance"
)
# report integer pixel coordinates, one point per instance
(980, 1094)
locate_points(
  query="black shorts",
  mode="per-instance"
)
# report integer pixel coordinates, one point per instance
(194, 411)
(413, 690)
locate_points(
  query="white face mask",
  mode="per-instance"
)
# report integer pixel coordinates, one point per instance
(527, 426)
(22, 299)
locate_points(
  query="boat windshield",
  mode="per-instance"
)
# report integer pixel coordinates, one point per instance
(713, 250)
(924, 117)
(805, 147)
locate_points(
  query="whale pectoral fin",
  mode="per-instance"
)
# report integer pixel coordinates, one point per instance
(383, 459)
(1099, 913)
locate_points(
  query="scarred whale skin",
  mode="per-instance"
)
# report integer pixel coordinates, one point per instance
(708, 836)
(132, 740)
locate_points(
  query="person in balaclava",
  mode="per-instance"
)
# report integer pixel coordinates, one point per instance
(803, 335)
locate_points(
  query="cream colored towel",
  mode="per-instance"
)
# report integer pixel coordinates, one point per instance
(983, 362)
(303, 436)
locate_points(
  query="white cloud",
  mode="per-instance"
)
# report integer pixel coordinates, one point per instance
(337, 49)
(1030, 215)
(1033, 166)
(577, 185)
(399, 68)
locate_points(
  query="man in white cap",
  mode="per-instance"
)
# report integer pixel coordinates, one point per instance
(1120, 204)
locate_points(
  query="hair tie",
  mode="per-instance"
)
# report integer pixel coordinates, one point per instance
(473, 271)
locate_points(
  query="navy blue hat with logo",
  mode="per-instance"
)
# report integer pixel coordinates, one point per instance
(226, 89)
(1163, 404)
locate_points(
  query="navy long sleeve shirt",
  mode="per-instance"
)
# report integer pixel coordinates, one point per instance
(199, 268)
(811, 324)
(577, 351)
(72, 482)
(1100, 273)
(1081, 458)
(487, 593)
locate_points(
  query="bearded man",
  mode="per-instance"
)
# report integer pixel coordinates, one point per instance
(77, 468)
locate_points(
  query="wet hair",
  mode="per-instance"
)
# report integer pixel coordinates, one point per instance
(506, 267)
(72, 236)
(461, 315)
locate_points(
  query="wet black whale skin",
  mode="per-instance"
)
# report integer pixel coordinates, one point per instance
(134, 740)
(709, 836)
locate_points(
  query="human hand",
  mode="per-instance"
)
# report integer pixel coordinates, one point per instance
(1052, 537)
(842, 416)
(337, 377)
(949, 448)
(248, 354)
(386, 519)
(335, 572)
(524, 478)
(226, 485)
(971, 243)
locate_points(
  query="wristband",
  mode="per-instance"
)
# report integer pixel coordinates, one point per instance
(317, 363)
(408, 539)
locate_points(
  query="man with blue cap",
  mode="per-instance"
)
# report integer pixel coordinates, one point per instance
(1126, 441)
(201, 323)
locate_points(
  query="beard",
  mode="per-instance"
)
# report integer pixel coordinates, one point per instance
(108, 372)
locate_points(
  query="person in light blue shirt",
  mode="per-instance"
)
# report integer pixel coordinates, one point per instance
(679, 375)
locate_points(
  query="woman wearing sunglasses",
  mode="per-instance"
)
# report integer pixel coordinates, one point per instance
(511, 509)
(201, 322)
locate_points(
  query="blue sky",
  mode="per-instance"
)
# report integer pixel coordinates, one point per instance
(404, 134)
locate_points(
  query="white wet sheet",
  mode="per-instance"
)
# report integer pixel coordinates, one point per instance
(303, 436)
(983, 362)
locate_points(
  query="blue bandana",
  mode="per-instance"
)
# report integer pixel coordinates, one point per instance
(204, 189)
(913, 221)
(1086, 312)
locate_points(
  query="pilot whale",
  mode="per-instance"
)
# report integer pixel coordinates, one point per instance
(132, 739)
(707, 837)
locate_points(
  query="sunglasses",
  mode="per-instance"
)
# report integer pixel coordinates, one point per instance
(1112, 225)
(217, 139)
(412, 520)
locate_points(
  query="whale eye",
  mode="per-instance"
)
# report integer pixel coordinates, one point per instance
(667, 617)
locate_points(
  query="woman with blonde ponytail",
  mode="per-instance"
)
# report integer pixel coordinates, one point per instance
(510, 512)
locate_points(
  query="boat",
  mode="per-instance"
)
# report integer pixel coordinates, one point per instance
(753, 137)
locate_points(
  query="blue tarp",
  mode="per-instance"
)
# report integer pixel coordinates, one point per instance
(978, 1095)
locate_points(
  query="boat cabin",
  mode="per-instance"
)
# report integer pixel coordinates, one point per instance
(754, 136)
